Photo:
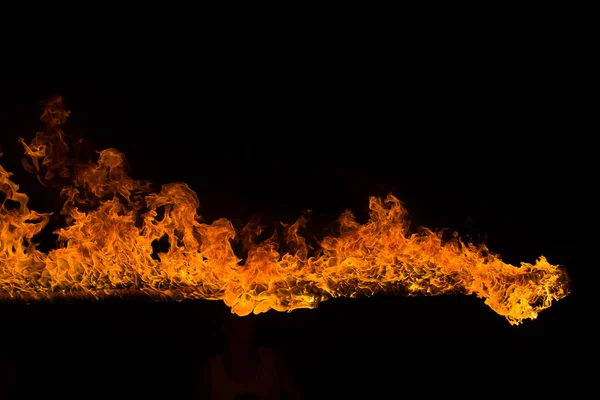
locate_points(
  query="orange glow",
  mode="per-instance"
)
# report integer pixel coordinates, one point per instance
(106, 248)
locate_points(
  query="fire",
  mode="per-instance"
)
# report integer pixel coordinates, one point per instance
(112, 222)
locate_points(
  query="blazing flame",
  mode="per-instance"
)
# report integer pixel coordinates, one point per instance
(106, 247)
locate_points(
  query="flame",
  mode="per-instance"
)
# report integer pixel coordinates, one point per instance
(112, 222)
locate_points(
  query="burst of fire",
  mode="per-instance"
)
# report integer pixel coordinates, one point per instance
(106, 248)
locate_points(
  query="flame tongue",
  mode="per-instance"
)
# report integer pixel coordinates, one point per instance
(113, 222)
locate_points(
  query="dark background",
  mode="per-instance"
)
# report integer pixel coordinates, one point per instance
(478, 144)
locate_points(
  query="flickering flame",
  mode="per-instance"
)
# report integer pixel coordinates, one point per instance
(106, 247)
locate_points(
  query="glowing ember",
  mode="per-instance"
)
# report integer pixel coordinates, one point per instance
(112, 222)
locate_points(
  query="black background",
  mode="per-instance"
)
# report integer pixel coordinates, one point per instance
(475, 143)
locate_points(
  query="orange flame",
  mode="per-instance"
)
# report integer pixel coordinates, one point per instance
(112, 222)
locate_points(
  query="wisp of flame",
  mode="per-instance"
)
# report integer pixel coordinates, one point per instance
(112, 221)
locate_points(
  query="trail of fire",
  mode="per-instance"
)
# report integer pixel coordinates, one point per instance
(112, 221)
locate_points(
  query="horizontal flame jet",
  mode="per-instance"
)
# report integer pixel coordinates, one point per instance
(106, 248)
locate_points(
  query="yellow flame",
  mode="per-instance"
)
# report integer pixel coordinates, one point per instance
(106, 248)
